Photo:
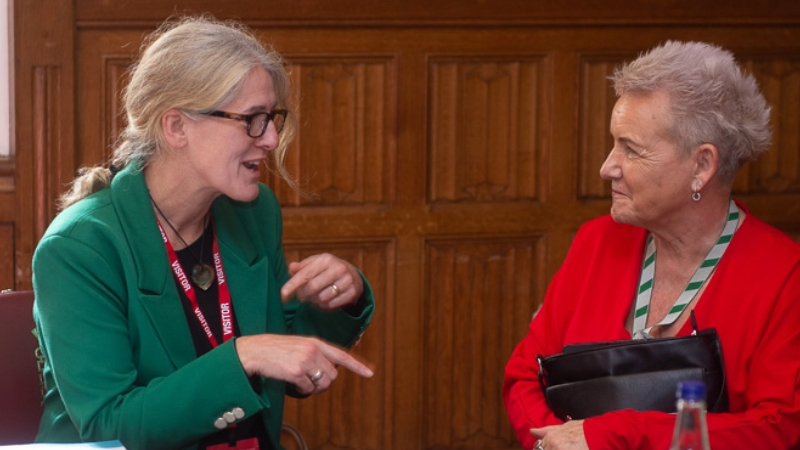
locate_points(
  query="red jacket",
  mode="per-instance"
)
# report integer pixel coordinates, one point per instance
(753, 300)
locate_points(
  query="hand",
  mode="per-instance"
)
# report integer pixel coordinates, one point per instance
(567, 436)
(307, 362)
(324, 280)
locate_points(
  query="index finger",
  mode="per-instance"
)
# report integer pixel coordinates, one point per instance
(294, 283)
(341, 357)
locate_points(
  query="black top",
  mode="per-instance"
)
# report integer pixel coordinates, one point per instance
(208, 301)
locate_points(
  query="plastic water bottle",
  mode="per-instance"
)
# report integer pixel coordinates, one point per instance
(691, 430)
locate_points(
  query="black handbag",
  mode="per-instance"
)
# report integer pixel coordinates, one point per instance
(592, 379)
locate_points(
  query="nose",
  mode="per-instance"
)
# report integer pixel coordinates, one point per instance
(270, 139)
(610, 169)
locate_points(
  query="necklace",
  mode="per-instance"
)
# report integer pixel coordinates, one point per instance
(202, 274)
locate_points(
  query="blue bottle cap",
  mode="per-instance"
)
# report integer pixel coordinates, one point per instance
(691, 390)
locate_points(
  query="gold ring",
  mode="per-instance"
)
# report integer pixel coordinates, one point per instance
(317, 375)
(335, 289)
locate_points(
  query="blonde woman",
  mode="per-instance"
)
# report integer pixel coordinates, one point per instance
(167, 314)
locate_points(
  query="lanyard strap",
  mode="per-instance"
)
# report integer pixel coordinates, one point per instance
(698, 279)
(224, 294)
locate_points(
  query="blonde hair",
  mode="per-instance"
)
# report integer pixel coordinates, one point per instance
(194, 64)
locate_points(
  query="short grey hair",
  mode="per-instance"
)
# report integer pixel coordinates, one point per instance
(711, 100)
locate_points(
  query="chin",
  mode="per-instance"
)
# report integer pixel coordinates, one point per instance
(244, 196)
(621, 217)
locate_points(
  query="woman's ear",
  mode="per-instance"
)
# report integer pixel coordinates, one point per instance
(706, 158)
(173, 124)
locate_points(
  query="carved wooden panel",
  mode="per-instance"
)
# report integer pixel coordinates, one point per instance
(113, 80)
(354, 413)
(101, 76)
(7, 256)
(46, 116)
(480, 297)
(345, 149)
(778, 170)
(448, 12)
(596, 99)
(485, 137)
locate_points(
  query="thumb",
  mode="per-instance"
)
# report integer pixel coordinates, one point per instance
(538, 433)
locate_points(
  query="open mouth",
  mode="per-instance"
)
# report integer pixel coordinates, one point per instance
(252, 166)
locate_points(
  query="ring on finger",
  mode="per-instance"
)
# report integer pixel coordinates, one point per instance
(316, 376)
(335, 289)
(539, 445)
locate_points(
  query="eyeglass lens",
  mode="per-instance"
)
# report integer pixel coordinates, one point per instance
(260, 122)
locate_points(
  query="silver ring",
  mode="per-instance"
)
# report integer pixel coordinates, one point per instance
(335, 289)
(317, 375)
(539, 445)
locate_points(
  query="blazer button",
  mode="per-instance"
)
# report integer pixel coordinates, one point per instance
(220, 423)
(238, 412)
(228, 416)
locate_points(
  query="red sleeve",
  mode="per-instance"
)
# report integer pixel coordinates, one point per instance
(577, 296)
(523, 397)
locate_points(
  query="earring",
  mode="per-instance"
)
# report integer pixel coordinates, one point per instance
(696, 194)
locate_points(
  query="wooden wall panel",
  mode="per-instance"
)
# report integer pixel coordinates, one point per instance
(100, 77)
(455, 12)
(595, 103)
(484, 129)
(7, 271)
(43, 150)
(344, 152)
(778, 170)
(47, 113)
(478, 293)
(113, 78)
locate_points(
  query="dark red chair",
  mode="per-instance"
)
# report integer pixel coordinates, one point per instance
(20, 388)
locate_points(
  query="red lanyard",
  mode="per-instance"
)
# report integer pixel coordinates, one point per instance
(224, 293)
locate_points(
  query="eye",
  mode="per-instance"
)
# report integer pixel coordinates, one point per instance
(629, 151)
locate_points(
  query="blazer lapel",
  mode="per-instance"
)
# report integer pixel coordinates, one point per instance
(246, 269)
(157, 292)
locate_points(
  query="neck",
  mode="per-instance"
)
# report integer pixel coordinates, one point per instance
(177, 205)
(692, 236)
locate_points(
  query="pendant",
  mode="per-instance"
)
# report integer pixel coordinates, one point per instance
(202, 276)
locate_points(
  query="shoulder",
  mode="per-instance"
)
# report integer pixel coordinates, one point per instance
(763, 241)
(84, 218)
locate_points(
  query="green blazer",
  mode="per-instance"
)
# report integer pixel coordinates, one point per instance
(119, 358)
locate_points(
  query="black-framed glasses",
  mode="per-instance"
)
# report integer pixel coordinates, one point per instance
(257, 122)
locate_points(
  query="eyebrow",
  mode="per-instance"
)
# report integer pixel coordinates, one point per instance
(260, 108)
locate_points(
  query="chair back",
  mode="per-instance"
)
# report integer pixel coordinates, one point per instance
(20, 389)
